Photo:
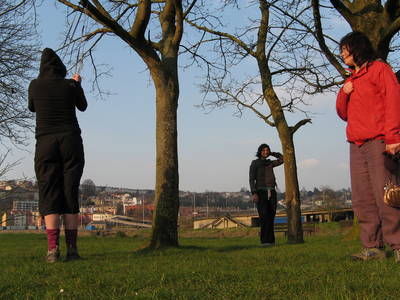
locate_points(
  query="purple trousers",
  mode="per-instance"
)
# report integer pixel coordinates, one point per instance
(379, 223)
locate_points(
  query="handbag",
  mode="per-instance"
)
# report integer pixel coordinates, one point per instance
(391, 195)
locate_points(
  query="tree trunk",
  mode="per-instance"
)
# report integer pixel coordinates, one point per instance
(165, 218)
(380, 44)
(292, 194)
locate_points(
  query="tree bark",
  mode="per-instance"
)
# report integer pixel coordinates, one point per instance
(165, 231)
(292, 194)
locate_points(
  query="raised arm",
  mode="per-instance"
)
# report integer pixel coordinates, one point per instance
(80, 99)
(279, 159)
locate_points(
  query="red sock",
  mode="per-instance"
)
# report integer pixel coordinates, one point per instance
(71, 237)
(52, 238)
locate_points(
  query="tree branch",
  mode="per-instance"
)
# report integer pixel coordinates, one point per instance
(189, 9)
(321, 39)
(342, 9)
(178, 24)
(299, 124)
(141, 20)
(95, 14)
(226, 35)
(100, 8)
(90, 35)
(263, 29)
(13, 8)
(392, 30)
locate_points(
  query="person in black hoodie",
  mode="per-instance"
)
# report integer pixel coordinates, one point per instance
(262, 186)
(59, 156)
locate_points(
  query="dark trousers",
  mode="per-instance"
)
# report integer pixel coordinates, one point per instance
(266, 207)
(59, 161)
(378, 222)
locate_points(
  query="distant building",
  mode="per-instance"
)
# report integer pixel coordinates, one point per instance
(128, 203)
(20, 220)
(25, 205)
(6, 187)
(9, 185)
(101, 217)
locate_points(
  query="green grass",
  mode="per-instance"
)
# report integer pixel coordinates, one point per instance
(202, 268)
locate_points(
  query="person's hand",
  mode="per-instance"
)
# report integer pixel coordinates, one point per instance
(348, 87)
(393, 148)
(255, 198)
(77, 78)
(275, 154)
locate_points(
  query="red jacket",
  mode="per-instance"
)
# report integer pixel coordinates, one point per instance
(372, 110)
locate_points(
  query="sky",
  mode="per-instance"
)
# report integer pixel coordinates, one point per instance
(215, 149)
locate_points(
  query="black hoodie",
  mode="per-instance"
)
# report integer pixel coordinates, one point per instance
(54, 98)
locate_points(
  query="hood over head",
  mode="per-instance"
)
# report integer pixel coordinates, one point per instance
(51, 65)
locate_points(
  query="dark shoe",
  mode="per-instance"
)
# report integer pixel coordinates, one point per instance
(396, 254)
(53, 255)
(72, 254)
(370, 254)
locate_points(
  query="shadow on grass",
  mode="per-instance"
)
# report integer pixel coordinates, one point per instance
(219, 248)
(242, 247)
(145, 251)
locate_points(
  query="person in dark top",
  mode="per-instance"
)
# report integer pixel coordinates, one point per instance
(262, 187)
(59, 156)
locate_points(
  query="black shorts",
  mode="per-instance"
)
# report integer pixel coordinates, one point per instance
(59, 161)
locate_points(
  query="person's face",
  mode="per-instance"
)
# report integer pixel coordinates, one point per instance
(264, 153)
(347, 57)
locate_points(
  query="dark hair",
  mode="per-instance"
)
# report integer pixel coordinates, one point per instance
(358, 45)
(398, 76)
(260, 148)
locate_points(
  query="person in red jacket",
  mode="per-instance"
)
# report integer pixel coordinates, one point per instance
(369, 102)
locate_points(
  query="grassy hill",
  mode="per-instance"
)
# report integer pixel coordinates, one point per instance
(208, 265)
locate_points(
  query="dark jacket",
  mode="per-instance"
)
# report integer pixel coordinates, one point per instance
(54, 98)
(261, 174)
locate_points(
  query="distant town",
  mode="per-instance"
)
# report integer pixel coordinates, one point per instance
(103, 207)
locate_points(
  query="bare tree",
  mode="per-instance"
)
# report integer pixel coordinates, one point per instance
(153, 29)
(18, 54)
(5, 167)
(288, 65)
